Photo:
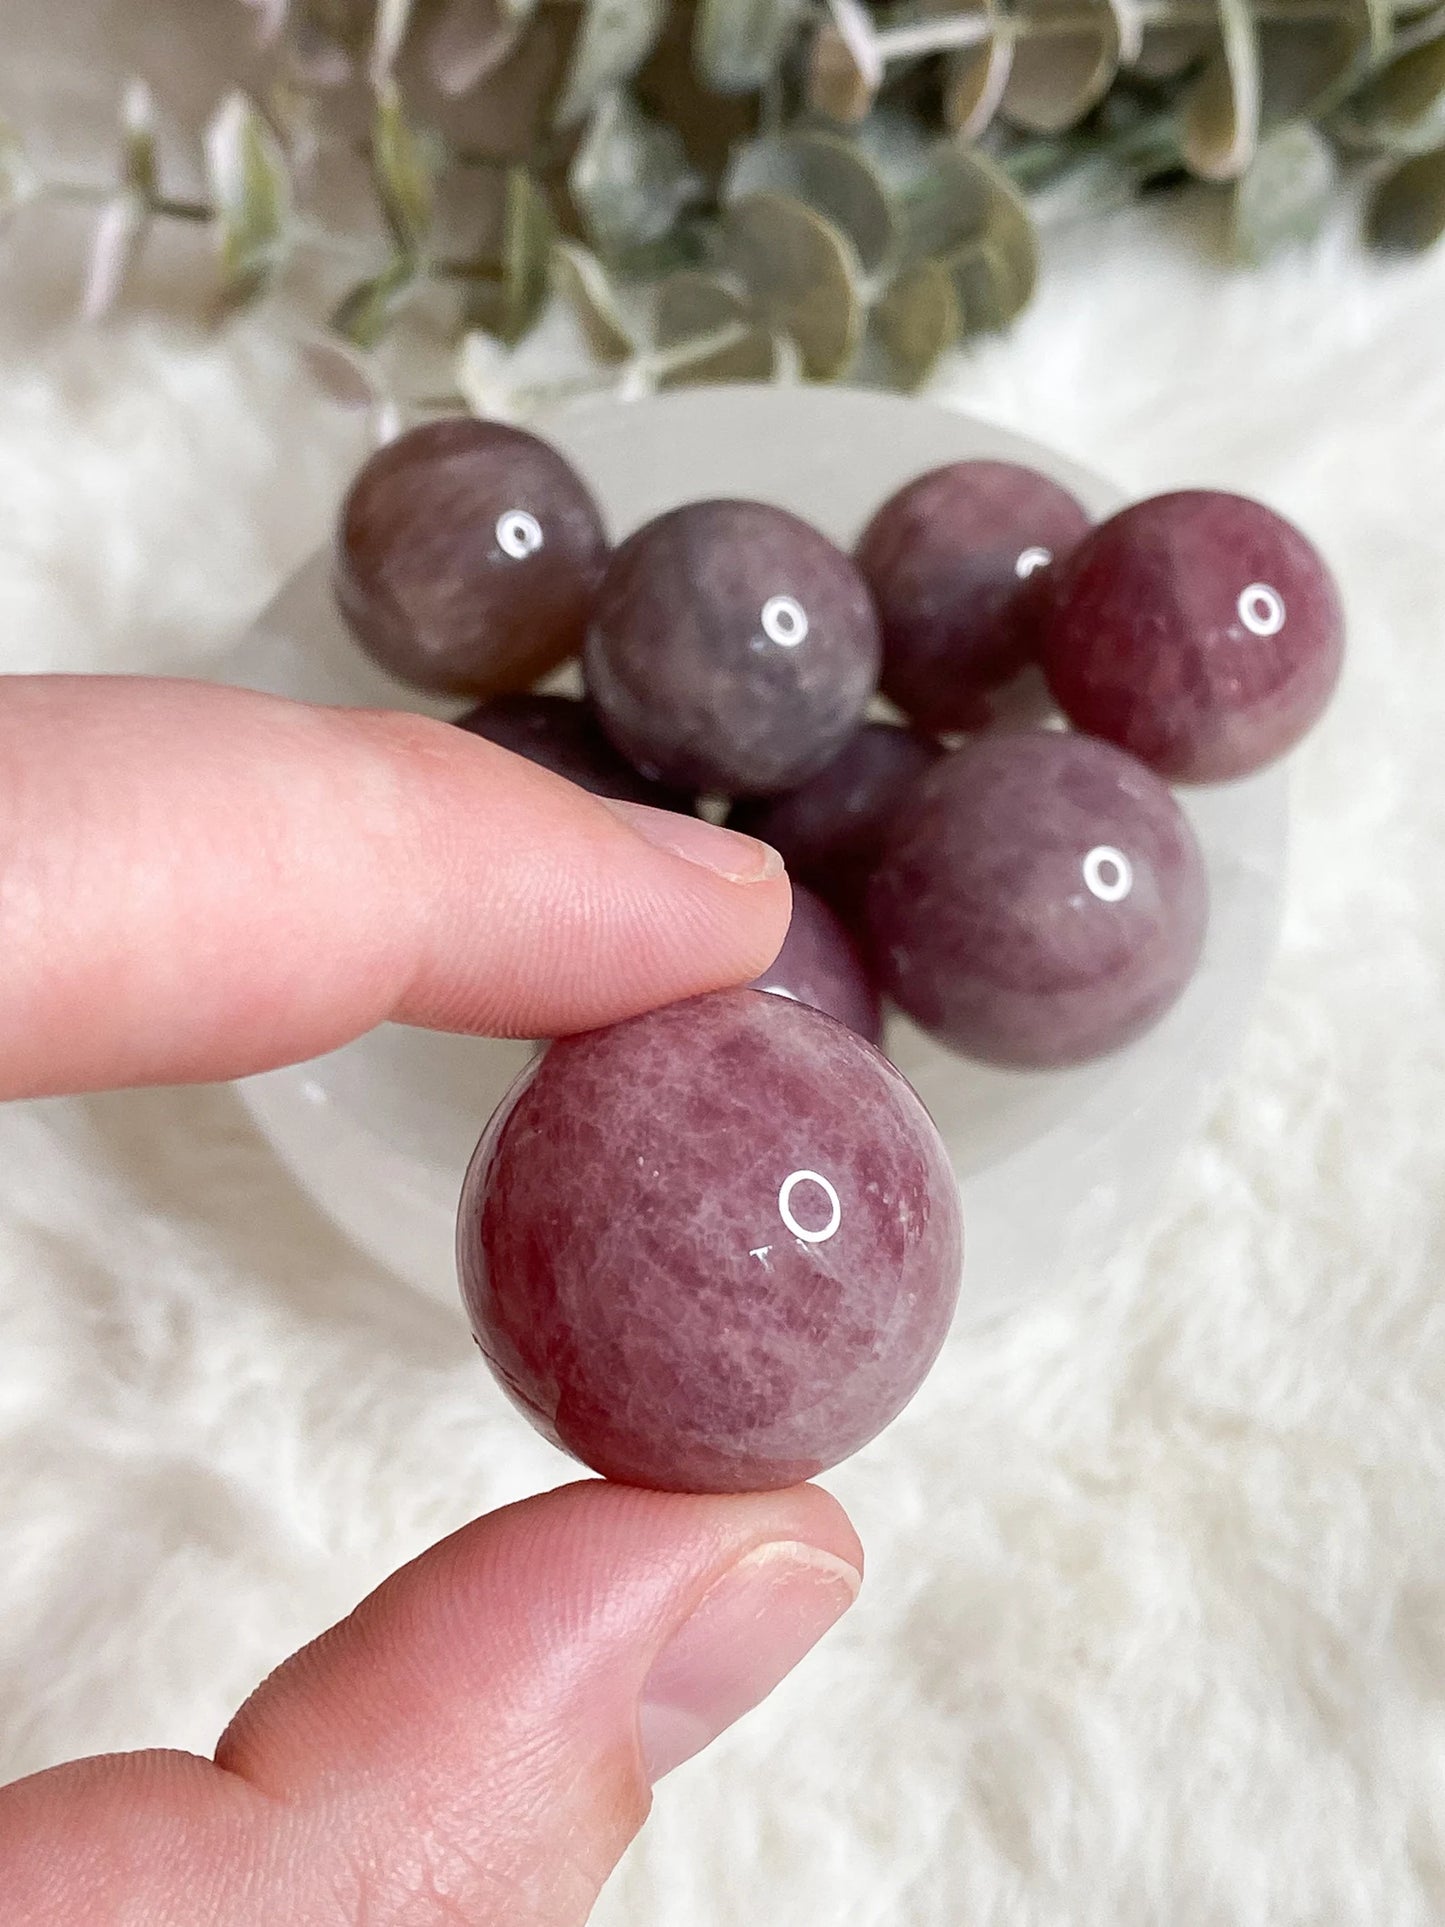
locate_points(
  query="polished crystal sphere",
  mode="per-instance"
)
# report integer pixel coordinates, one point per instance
(1042, 902)
(467, 557)
(958, 562)
(733, 649)
(820, 964)
(1200, 631)
(715, 1248)
(830, 830)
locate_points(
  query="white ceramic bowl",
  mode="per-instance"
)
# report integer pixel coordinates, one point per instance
(1053, 1166)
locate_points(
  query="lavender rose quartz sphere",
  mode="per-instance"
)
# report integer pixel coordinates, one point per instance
(467, 556)
(958, 562)
(562, 735)
(1200, 631)
(1043, 902)
(821, 965)
(715, 1248)
(831, 830)
(733, 648)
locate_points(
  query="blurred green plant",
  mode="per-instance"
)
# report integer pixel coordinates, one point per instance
(740, 189)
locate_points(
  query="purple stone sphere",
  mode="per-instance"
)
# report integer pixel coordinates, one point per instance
(1200, 631)
(1043, 902)
(733, 648)
(819, 964)
(715, 1248)
(467, 556)
(562, 735)
(957, 562)
(830, 831)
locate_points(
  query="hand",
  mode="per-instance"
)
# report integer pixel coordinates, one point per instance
(196, 883)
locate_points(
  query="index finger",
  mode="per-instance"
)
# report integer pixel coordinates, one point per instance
(199, 882)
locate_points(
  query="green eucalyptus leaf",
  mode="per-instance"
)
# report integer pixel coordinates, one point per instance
(1166, 51)
(1282, 196)
(991, 284)
(365, 314)
(974, 82)
(733, 353)
(1400, 109)
(1222, 107)
(1057, 75)
(803, 275)
(695, 302)
(138, 168)
(526, 257)
(965, 201)
(918, 320)
(629, 179)
(737, 44)
(581, 281)
(405, 176)
(840, 81)
(251, 191)
(706, 331)
(1307, 66)
(832, 175)
(614, 39)
(115, 247)
(1407, 208)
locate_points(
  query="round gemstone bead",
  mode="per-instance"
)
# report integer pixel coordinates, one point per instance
(563, 735)
(1044, 900)
(830, 831)
(1200, 631)
(715, 1248)
(733, 648)
(467, 557)
(819, 964)
(957, 562)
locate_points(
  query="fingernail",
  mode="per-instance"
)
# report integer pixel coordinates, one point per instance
(741, 859)
(748, 1633)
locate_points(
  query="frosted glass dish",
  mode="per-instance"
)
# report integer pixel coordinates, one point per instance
(1053, 1166)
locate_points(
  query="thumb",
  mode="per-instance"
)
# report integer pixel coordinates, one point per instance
(474, 1744)
(482, 1732)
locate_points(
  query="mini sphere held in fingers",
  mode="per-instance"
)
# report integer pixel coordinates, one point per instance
(1200, 631)
(958, 562)
(715, 1248)
(821, 965)
(562, 735)
(733, 648)
(467, 557)
(830, 830)
(1043, 902)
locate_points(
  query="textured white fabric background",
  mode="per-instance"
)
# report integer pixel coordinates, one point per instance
(1154, 1629)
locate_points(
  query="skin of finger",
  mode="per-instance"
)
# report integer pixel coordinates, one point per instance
(548, 1616)
(198, 882)
(462, 1748)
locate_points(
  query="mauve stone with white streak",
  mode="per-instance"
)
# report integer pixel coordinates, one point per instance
(1043, 902)
(714, 1248)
